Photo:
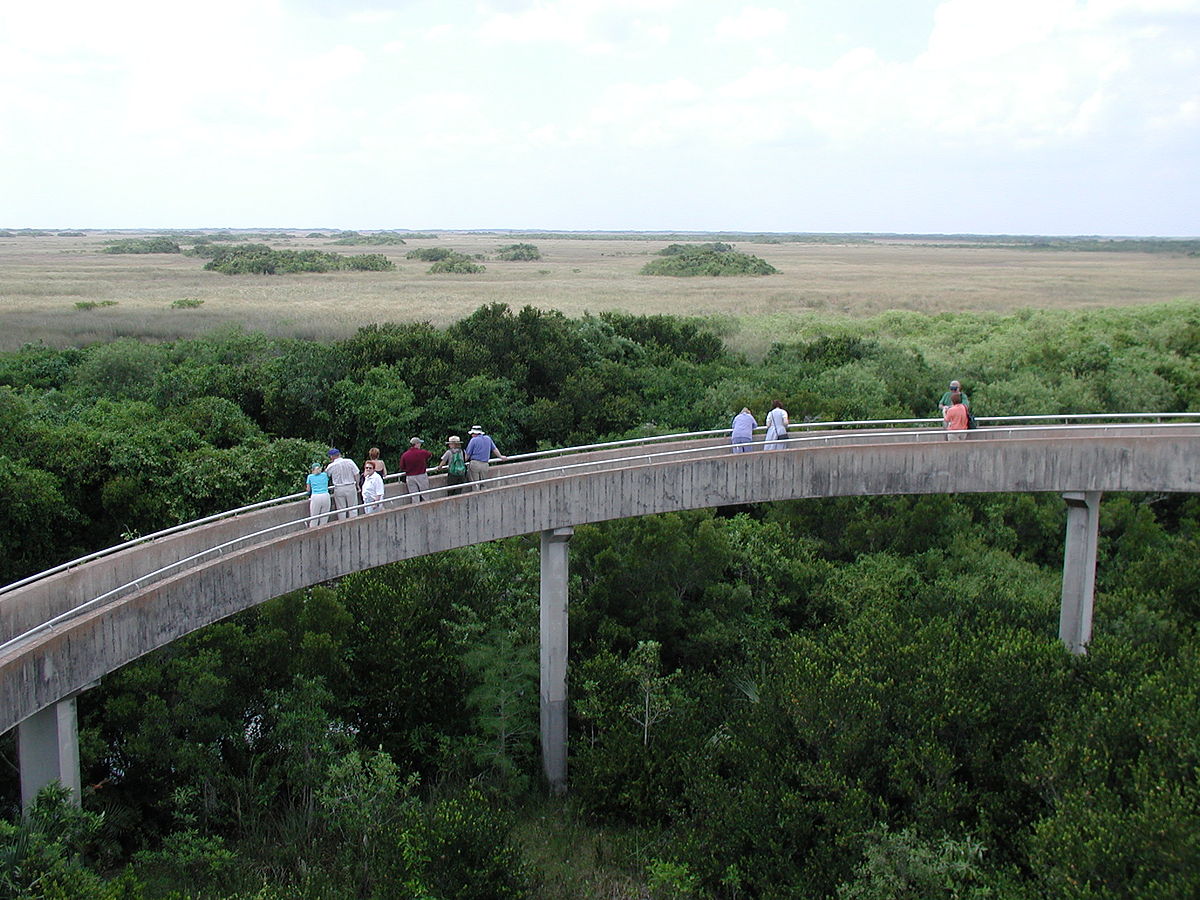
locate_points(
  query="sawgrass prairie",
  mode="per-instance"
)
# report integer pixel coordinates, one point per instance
(45, 280)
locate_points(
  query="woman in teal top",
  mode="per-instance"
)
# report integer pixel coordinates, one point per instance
(318, 496)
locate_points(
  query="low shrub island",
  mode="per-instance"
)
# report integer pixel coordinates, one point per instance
(687, 260)
(519, 253)
(431, 254)
(141, 245)
(456, 264)
(382, 239)
(259, 259)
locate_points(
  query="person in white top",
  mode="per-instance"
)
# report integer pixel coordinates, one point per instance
(343, 482)
(777, 426)
(372, 489)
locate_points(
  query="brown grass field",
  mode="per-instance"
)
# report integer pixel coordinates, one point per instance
(43, 278)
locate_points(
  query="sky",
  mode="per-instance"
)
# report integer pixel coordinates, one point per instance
(1056, 117)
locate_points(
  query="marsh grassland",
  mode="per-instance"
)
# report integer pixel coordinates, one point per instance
(64, 290)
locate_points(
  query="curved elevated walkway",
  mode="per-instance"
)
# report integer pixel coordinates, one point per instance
(268, 553)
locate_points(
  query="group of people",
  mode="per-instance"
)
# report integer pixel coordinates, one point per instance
(744, 424)
(955, 408)
(339, 488)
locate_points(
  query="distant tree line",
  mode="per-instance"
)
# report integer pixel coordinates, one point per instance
(378, 239)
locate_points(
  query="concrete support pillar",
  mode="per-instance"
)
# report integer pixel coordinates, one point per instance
(554, 656)
(48, 750)
(1079, 569)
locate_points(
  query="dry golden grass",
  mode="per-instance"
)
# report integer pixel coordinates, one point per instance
(42, 279)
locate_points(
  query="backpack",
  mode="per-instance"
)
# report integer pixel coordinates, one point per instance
(458, 465)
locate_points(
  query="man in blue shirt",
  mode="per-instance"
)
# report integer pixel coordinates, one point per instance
(480, 450)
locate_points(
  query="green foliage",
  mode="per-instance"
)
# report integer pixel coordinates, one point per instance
(363, 804)
(187, 303)
(668, 336)
(518, 252)
(505, 704)
(1119, 245)
(43, 854)
(431, 254)
(685, 249)
(141, 245)
(34, 507)
(190, 860)
(94, 304)
(1121, 773)
(466, 851)
(122, 369)
(902, 866)
(850, 697)
(670, 881)
(456, 264)
(378, 239)
(260, 259)
(718, 259)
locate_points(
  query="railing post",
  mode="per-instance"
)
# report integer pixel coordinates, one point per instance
(1079, 569)
(48, 751)
(553, 667)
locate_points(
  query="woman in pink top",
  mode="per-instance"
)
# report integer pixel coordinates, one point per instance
(955, 415)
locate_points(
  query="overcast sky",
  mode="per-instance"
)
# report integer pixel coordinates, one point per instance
(980, 116)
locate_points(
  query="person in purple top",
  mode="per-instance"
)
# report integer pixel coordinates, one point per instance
(481, 449)
(742, 432)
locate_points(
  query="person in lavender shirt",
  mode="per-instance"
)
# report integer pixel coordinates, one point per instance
(481, 449)
(743, 431)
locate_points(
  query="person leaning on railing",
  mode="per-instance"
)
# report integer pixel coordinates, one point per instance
(317, 484)
(454, 464)
(343, 473)
(741, 433)
(414, 463)
(481, 449)
(956, 416)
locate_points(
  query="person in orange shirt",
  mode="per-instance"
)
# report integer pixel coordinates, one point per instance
(955, 415)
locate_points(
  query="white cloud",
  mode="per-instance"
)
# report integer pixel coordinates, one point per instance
(1010, 76)
(753, 23)
(655, 87)
(340, 62)
(595, 26)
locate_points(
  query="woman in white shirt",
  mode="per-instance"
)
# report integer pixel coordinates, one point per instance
(372, 489)
(777, 426)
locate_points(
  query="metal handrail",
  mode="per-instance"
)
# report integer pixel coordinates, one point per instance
(559, 470)
(291, 498)
(563, 451)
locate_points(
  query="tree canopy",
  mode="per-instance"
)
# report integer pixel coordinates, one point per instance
(847, 698)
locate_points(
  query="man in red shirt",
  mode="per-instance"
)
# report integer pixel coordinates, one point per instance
(414, 463)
